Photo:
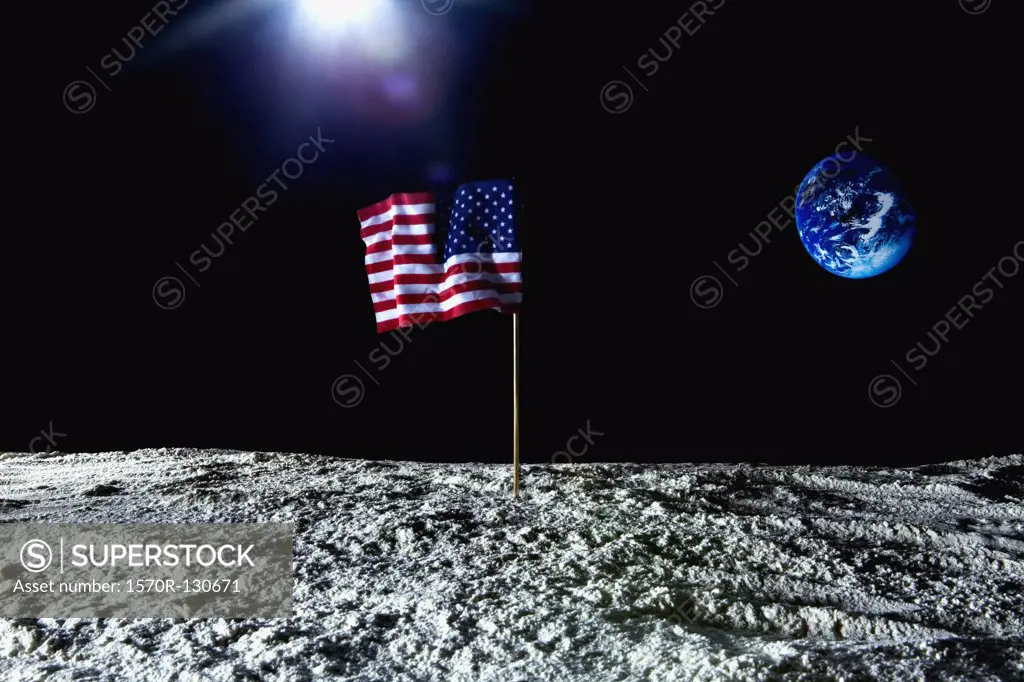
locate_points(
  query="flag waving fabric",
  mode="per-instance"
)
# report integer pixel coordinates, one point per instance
(482, 264)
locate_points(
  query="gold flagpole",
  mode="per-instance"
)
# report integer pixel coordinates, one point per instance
(515, 406)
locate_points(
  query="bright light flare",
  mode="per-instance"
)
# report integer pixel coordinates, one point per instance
(382, 60)
(338, 15)
(357, 28)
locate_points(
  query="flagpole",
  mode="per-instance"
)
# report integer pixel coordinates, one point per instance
(515, 406)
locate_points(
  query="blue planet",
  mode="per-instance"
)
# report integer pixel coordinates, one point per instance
(853, 217)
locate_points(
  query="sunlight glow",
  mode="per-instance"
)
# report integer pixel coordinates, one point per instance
(339, 15)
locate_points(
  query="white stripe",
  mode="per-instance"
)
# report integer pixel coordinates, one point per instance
(417, 269)
(385, 315)
(457, 300)
(379, 237)
(462, 278)
(397, 209)
(457, 278)
(430, 269)
(383, 296)
(427, 228)
(463, 258)
(379, 257)
(406, 249)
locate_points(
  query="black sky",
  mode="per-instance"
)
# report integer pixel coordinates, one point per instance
(622, 213)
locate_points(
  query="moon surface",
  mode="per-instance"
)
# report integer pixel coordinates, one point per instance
(418, 571)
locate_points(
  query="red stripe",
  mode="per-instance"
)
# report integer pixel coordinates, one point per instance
(437, 279)
(456, 289)
(457, 311)
(381, 306)
(410, 239)
(472, 285)
(393, 200)
(375, 229)
(463, 268)
(415, 259)
(382, 266)
(476, 267)
(434, 278)
(377, 247)
(415, 219)
(424, 318)
(387, 326)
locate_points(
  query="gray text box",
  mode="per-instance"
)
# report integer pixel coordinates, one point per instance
(146, 570)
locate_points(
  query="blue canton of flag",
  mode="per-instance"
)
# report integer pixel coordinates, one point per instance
(480, 220)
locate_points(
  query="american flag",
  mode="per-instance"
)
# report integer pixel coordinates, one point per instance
(482, 268)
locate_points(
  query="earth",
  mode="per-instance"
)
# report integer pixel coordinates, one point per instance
(853, 217)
